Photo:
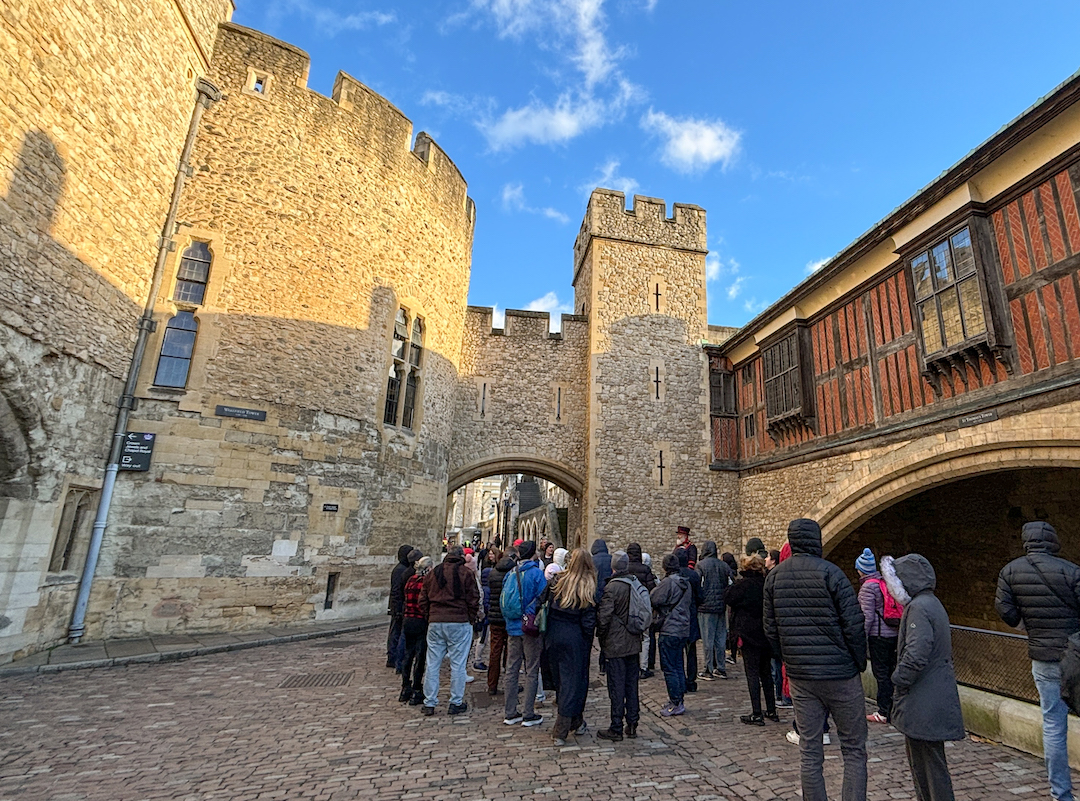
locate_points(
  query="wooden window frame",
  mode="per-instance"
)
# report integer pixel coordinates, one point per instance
(990, 345)
(723, 400)
(794, 408)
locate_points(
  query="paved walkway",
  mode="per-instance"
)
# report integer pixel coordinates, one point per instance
(169, 647)
(223, 726)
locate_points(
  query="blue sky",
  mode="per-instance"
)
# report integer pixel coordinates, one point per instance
(796, 126)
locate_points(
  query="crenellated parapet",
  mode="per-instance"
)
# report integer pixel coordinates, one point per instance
(521, 324)
(646, 223)
(271, 77)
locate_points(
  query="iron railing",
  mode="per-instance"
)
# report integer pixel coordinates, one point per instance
(994, 661)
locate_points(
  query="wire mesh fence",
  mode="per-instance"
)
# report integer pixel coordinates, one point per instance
(993, 661)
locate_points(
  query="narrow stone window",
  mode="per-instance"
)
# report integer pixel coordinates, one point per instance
(72, 538)
(412, 383)
(258, 83)
(558, 404)
(331, 587)
(177, 347)
(661, 467)
(657, 379)
(193, 275)
(397, 368)
(483, 399)
(657, 290)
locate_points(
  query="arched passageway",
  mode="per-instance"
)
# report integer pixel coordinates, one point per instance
(969, 529)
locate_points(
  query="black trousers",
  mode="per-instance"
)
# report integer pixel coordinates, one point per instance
(882, 664)
(415, 635)
(929, 770)
(757, 662)
(622, 688)
(394, 641)
(691, 664)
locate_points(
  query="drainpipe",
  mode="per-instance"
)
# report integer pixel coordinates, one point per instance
(208, 93)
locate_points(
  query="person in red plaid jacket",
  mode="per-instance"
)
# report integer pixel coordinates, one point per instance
(415, 632)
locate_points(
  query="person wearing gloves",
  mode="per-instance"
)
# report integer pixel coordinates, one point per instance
(926, 704)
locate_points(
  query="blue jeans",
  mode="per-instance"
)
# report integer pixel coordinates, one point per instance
(671, 662)
(713, 640)
(1055, 715)
(453, 640)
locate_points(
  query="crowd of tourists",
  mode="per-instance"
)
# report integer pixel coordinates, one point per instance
(804, 633)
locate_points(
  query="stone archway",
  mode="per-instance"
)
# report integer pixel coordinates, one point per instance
(887, 475)
(506, 464)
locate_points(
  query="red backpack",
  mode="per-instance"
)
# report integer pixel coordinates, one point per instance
(894, 610)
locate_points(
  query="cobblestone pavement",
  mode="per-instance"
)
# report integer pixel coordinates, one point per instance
(222, 727)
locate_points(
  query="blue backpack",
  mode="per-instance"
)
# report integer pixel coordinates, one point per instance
(510, 597)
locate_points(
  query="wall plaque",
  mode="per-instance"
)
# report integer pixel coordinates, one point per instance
(243, 414)
(978, 418)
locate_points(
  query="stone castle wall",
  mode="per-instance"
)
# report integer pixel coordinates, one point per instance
(648, 376)
(322, 220)
(93, 113)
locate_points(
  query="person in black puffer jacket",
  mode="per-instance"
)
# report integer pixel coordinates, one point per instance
(815, 625)
(497, 656)
(715, 578)
(1042, 592)
(643, 573)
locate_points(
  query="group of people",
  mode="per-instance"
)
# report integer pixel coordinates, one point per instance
(805, 635)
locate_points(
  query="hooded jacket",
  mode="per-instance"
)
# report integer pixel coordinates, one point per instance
(638, 568)
(812, 617)
(715, 578)
(672, 598)
(611, 618)
(450, 594)
(1042, 591)
(872, 603)
(926, 703)
(495, 585)
(532, 585)
(602, 561)
(400, 574)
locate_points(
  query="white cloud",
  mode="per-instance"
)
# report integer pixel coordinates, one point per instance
(543, 124)
(328, 20)
(813, 266)
(608, 178)
(574, 30)
(717, 267)
(754, 306)
(513, 199)
(551, 304)
(735, 288)
(692, 145)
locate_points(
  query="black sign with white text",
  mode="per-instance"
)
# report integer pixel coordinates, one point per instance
(243, 414)
(138, 448)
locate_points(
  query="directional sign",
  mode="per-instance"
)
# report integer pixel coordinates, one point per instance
(137, 450)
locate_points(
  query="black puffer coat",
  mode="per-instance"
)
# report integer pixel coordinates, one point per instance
(495, 585)
(715, 578)
(638, 568)
(926, 703)
(400, 574)
(812, 616)
(1042, 591)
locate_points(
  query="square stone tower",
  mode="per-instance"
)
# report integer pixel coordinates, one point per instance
(639, 275)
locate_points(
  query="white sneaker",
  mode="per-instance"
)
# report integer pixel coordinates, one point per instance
(826, 739)
(469, 679)
(793, 737)
(516, 719)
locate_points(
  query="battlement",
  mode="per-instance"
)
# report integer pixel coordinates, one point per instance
(646, 223)
(274, 74)
(520, 324)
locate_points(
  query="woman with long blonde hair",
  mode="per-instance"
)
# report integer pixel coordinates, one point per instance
(571, 619)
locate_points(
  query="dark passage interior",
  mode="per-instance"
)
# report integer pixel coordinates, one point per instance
(969, 529)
